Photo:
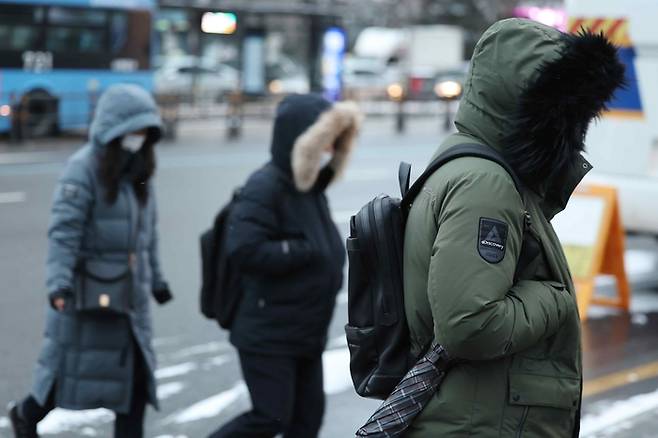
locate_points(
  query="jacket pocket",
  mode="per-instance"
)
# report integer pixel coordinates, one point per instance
(548, 404)
(540, 390)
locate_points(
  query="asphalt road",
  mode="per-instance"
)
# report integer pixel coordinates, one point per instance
(199, 381)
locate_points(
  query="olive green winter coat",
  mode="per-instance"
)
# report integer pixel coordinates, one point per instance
(521, 373)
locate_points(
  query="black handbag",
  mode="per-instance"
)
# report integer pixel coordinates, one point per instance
(104, 286)
(107, 286)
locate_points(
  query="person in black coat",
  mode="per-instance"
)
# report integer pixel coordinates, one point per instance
(282, 238)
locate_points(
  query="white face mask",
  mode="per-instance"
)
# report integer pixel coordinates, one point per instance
(132, 142)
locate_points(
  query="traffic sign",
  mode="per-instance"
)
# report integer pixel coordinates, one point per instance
(592, 236)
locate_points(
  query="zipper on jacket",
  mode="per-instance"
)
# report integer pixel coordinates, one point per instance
(524, 417)
(529, 227)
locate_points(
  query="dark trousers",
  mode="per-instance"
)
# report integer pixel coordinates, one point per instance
(130, 425)
(286, 395)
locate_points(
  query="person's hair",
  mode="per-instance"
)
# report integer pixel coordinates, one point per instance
(109, 168)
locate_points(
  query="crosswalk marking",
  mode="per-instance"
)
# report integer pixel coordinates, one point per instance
(12, 197)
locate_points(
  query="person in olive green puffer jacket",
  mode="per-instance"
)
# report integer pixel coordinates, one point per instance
(531, 93)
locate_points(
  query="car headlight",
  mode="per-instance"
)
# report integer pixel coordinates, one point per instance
(448, 90)
(276, 86)
(395, 91)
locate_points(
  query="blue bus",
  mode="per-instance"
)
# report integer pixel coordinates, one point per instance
(57, 56)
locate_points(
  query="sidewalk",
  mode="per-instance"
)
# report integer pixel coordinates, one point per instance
(209, 135)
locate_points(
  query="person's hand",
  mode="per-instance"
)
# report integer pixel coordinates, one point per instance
(162, 294)
(59, 298)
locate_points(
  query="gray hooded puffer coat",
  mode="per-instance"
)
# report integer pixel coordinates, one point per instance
(90, 359)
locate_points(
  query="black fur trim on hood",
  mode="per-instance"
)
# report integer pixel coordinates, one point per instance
(556, 109)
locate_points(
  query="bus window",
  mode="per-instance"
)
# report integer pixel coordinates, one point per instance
(118, 32)
(75, 30)
(18, 37)
(74, 39)
(20, 27)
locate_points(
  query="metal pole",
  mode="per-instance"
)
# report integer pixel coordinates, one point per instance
(400, 118)
(447, 119)
(15, 134)
(234, 116)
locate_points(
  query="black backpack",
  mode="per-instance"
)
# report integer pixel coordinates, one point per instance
(377, 332)
(220, 282)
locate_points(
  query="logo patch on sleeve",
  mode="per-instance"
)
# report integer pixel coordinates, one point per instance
(69, 191)
(492, 239)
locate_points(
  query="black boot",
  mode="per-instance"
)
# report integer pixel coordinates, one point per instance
(22, 429)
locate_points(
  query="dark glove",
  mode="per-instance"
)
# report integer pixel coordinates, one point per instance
(162, 295)
(65, 294)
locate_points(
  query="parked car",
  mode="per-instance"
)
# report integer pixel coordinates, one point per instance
(368, 78)
(286, 77)
(426, 86)
(194, 77)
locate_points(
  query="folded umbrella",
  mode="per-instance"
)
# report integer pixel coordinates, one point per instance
(409, 398)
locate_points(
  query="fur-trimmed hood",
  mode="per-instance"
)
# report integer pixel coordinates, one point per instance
(532, 91)
(305, 125)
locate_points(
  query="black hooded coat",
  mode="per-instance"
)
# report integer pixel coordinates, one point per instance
(281, 234)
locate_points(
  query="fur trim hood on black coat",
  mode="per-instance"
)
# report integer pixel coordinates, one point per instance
(305, 125)
(532, 92)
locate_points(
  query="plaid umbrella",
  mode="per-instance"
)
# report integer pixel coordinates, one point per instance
(408, 398)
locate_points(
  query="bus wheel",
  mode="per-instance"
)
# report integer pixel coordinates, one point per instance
(39, 114)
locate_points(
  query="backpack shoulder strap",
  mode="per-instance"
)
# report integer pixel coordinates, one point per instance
(459, 151)
(404, 178)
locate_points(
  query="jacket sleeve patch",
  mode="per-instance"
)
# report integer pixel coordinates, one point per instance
(492, 239)
(69, 191)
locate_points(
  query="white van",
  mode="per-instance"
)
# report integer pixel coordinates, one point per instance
(623, 144)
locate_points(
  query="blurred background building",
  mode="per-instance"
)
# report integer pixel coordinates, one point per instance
(57, 56)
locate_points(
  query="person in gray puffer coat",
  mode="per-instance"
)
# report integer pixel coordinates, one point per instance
(104, 212)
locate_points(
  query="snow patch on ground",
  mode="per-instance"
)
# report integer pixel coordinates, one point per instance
(210, 407)
(217, 361)
(640, 319)
(640, 305)
(210, 347)
(169, 389)
(336, 364)
(337, 379)
(617, 414)
(175, 370)
(644, 303)
(60, 420)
